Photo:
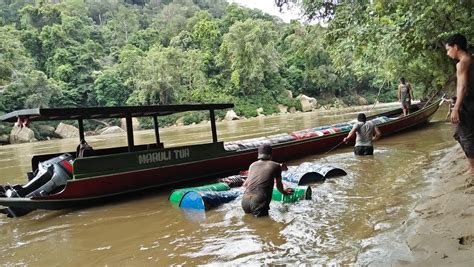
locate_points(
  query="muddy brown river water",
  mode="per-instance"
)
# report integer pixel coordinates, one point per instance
(362, 218)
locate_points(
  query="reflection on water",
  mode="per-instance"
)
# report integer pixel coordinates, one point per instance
(358, 218)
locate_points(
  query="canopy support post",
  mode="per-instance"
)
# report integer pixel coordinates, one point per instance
(131, 144)
(81, 129)
(157, 131)
(213, 126)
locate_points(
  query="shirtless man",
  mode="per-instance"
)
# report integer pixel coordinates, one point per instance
(263, 174)
(462, 115)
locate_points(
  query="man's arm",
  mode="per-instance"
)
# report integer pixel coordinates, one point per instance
(279, 186)
(377, 135)
(461, 89)
(351, 133)
(399, 93)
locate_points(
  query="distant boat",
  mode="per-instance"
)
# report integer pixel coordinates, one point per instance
(89, 176)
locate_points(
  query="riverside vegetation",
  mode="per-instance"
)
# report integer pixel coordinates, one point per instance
(80, 53)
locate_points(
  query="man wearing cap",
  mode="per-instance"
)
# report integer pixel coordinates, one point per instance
(259, 184)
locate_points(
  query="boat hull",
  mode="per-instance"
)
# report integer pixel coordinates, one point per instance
(99, 178)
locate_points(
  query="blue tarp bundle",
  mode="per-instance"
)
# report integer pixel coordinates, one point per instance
(310, 172)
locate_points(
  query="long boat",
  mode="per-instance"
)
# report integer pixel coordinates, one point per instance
(87, 177)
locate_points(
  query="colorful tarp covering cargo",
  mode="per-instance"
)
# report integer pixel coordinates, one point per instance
(310, 172)
(298, 135)
(300, 193)
(177, 194)
(233, 180)
(205, 200)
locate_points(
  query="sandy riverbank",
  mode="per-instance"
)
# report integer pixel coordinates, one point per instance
(444, 232)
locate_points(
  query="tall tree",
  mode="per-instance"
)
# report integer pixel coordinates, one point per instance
(248, 53)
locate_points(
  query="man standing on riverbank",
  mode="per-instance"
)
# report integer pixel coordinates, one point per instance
(462, 115)
(259, 184)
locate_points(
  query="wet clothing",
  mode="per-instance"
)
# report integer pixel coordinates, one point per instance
(363, 150)
(260, 182)
(405, 96)
(365, 132)
(464, 130)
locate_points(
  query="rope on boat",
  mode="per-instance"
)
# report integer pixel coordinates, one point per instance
(431, 98)
(378, 94)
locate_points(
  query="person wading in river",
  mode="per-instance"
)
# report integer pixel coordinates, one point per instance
(366, 132)
(260, 181)
(462, 115)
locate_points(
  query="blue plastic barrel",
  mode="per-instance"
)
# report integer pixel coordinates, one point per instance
(205, 200)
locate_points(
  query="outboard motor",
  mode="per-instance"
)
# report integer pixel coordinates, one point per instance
(50, 175)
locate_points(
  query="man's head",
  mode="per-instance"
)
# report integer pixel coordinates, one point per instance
(402, 80)
(454, 44)
(361, 117)
(264, 152)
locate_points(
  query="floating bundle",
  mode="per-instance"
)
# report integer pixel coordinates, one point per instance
(177, 194)
(233, 181)
(311, 172)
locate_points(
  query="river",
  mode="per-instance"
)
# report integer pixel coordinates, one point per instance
(360, 218)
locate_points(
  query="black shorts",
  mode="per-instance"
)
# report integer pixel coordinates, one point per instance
(465, 137)
(256, 204)
(363, 150)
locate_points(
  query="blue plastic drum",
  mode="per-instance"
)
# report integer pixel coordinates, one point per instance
(205, 200)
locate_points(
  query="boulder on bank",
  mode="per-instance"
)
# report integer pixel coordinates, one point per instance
(231, 115)
(135, 124)
(112, 130)
(282, 108)
(179, 121)
(307, 103)
(66, 131)
(22, 135)
(260, 112)
(362, 101)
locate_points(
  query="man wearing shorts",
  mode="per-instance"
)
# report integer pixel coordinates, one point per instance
(263, 174)
(462, 115)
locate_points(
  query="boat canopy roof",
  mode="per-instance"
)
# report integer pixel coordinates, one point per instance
(49, 114)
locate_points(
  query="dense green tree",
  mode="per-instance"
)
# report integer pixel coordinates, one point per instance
(72, 54)
(167, 75)
(249, 55)
(122, 25)
(14, 57)
(109, 89)
(172, 19)
(389, 39)
(29, 90)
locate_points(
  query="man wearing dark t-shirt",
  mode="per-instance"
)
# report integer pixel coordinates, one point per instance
(259, 184)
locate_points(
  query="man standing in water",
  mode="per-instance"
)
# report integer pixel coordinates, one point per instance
(366, 132)
(462, 115)
(259, 184)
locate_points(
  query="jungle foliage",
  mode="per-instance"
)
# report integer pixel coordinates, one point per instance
(78, 53)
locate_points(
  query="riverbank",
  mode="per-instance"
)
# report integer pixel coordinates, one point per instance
(444, 232)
